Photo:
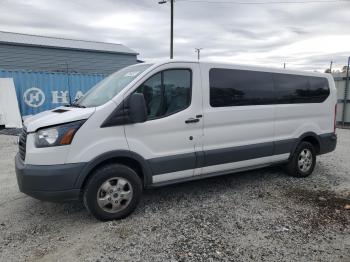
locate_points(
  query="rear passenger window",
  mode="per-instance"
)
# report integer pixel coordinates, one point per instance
(230, 87)
(291, 89)
(167, 92)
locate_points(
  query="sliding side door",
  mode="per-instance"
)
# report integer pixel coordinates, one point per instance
(238, 118)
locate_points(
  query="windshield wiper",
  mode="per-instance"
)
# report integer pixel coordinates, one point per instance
(75, 105)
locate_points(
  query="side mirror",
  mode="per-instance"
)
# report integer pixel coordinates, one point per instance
(137, 108)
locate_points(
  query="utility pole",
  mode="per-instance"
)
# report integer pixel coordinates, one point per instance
(330, 67)
(198, 50)
(171, 25)
(284, 65)
(346, 89)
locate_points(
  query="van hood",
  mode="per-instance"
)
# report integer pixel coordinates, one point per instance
(57, 116)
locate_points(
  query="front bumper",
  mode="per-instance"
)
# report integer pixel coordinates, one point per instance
(48, 182)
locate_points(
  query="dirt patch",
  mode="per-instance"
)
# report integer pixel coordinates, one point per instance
(325, 207)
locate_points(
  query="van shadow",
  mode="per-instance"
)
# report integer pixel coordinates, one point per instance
(207, 189)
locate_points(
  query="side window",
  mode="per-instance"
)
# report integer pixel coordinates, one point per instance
(152, 91)
(230, 87)
(177, 90)
(319, 90)
(291, 89)
(167, 92)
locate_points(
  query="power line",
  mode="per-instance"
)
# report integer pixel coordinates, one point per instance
(265, 2)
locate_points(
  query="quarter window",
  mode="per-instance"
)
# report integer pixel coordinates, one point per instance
(291, 89)
(319, 89)
(167, 92)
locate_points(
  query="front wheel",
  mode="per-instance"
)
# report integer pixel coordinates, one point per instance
(113, 192)
(303, 160)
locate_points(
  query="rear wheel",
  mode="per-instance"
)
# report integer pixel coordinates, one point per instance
(303, 160)
(113, 192)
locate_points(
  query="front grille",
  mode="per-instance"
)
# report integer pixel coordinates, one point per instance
(22, 143)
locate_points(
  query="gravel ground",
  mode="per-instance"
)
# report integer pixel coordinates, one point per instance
(260, 215)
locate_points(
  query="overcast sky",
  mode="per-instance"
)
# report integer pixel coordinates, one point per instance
(305, 36)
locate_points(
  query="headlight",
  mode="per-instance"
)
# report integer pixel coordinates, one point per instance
(57, 135)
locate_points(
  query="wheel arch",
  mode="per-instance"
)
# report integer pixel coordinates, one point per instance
(310, 137)
(128, 158)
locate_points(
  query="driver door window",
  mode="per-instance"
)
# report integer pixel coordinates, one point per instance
(167, 92)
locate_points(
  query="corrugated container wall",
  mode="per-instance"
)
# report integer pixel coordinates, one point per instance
(17, 57)
(40, 91)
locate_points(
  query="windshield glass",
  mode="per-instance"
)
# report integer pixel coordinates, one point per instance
(111, 86)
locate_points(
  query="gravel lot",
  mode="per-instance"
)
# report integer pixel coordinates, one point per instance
(260, 215)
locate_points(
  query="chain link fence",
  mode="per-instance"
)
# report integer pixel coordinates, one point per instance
(342, 83)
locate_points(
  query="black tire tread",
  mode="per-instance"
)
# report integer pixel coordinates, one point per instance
(292, 166)
(102, 174)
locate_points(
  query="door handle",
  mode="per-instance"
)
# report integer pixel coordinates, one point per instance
(192, 120)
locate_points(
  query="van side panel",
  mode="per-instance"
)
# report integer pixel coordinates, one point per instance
(247, 128)
(294, 120)
(266, 130)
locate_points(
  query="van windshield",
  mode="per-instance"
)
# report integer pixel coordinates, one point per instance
(110, 86)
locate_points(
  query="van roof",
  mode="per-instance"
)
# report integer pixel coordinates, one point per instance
(243, 67)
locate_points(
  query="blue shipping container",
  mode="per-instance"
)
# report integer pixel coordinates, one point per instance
(40, 91)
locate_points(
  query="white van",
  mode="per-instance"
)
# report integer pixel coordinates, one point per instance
(150, 125)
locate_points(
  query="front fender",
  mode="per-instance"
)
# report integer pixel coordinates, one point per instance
(147, 173)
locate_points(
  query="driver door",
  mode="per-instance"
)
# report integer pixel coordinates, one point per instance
(171, 136)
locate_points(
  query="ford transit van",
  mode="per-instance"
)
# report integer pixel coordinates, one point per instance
(151, 125)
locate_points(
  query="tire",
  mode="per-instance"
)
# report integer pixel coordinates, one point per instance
(296, 167)
(112, 192)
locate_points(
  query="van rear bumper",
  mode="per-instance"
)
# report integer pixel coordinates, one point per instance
(328, 143)
(49, 183)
